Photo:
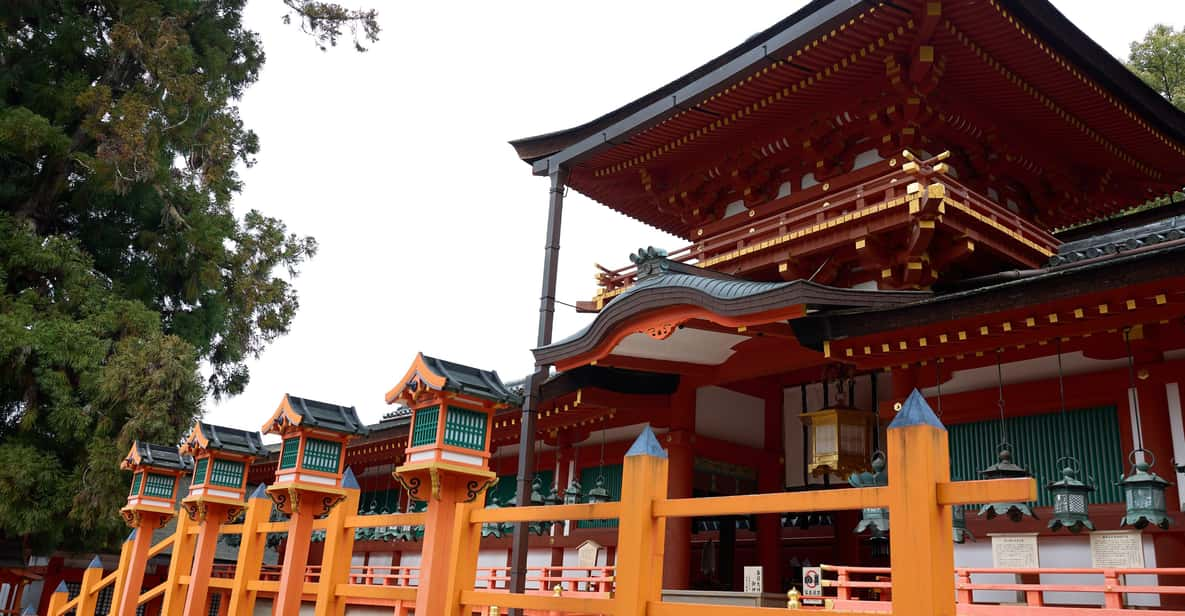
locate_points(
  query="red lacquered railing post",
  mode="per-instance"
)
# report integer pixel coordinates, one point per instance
(1112, 598)
(842, 591)
(963, 592)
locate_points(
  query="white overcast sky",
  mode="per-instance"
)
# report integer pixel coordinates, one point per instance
(430, 228)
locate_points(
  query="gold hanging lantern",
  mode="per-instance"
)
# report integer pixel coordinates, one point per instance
(840, 436)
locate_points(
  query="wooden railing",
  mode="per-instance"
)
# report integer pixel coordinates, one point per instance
(776, 225)
(919, 495)
(1108, 586)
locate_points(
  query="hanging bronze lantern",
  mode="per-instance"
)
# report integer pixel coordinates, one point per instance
(875, 519)
(1144, 494)
(1143, 490)
(959, 523)
(1069, 499)
(598, 494)
(1005, 469)
(496, 530)
(573, 493)
(840, 436)
(538, 500)
(1070, 496)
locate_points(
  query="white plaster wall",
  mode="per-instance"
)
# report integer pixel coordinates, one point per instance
(730, 416)
(490, 558)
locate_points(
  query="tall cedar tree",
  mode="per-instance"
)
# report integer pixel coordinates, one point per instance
(122, 264)
(1159, 59)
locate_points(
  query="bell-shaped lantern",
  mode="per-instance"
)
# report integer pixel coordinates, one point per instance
(312, 454)
(221, 457)
(1143, 493)
(497, 530)
(1005, 469)
(959, 525)
(452, 407)
(1070, 499)
(539, 500)
(599, 494)
(156, 479)
(841, 440)
(874, 519)
(573, 493)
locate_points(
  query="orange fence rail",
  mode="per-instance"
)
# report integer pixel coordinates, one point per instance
(1109, 586)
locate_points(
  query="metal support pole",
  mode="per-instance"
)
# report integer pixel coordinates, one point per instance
(526, 439)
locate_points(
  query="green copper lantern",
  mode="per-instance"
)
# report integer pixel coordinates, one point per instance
(1069, 499)
(496, 530)
(538, 500)
(959, 525)
(875, 519)
(573, 493)
(1144, 494)
(1005, 469)
(598, 494)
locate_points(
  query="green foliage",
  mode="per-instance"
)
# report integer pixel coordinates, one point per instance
(123, 267)
(1159, 59)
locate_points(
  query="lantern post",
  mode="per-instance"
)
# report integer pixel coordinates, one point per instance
(308, 479)
(156, 477)
(448, 465)
(217, 495)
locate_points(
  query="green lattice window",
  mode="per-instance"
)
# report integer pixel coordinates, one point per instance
(290, 450)
(227, 473)
(199, 470)
(465, 429)
(588, 481)
(160, 486)
(1037, 442)
(321, 455)
(424, 432)
(136, 478)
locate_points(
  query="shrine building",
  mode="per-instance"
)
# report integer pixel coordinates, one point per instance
(968, 198)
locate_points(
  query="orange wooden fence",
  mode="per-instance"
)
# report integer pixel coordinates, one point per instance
(868, 589)
(919, 496)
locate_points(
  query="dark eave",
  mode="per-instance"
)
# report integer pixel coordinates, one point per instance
(617, 380)
(665, 99)
(327, 416)
(1145, 264)
(548, 152)
(726, 298)
(471, 381)
(162, 457)
(233, 440)
(756, 52)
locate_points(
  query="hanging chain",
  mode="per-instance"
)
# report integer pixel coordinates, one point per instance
(601, 467)
(938, 384)
(1000, 381)
(1061, 387)
(1132, 394)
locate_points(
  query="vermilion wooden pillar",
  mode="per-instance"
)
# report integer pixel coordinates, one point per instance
(133, 578)
(210, 518)
(676, 569)
(771, 477)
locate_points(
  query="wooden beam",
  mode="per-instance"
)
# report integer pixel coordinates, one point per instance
(987, 491)
(822, 500)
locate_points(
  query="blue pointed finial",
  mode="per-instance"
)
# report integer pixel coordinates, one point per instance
(62, 587)
(260, 492)
(95, 563)
(349, 481)
(646, 445)
(131, 536)
(916, 412)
